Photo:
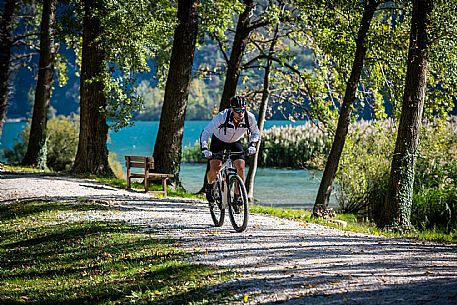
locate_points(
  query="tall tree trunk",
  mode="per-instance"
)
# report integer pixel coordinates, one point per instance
(239, 44)
(6, 34)
(36, 149)
(253, 162)
(325, 188)
(397, 210)
(92, 154)
(167, 149)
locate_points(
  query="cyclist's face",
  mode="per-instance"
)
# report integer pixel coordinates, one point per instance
(238, 112)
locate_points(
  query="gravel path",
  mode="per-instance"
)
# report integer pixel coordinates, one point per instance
(279, 261)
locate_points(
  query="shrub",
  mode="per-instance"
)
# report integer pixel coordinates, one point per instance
(365, 168)
(62, 142)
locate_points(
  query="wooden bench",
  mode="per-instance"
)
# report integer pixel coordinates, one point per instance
(144, 166)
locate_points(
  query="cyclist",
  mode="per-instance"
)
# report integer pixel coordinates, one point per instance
(227, 128)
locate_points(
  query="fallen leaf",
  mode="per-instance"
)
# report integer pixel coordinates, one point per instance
(245, 298)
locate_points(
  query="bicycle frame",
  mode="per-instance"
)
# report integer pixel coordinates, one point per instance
(227, 181)
(223, 177)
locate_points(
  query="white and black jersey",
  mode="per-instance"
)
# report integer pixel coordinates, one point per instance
(224, 128)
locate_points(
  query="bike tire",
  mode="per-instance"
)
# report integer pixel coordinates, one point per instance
(238, 218)
(217, 210)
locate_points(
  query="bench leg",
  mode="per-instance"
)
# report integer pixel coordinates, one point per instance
(146, 185)
(164, 185)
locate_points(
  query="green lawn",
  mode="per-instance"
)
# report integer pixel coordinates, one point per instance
(354, 225)
(45, 259)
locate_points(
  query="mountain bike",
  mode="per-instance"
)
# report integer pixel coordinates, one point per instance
(229, 193)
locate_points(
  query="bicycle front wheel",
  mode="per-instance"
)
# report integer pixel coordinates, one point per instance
(238, 204)
(217, 208)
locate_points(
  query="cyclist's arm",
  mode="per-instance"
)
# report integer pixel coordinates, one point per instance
(255, 133)
(210, 129)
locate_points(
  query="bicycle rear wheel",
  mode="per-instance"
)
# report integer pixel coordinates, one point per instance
(217, 209)
(238, 211)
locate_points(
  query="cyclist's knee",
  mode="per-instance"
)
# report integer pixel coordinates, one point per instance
(239, 164)
(215, 165)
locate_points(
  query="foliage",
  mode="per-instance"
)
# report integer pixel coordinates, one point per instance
(145, 29)
(365, 163)
(53, 253)
(62, 142)
(365, 166)
(203, 98)
(116, 166)
(292, 146)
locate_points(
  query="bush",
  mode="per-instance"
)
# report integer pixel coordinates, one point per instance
(62, 143)
(365, 168)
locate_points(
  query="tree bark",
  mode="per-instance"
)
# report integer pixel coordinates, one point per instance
(239, 44)
(325, 188)
(397, 209)
(36, 149)
(6, 34)
(92, 153)
(167, 149)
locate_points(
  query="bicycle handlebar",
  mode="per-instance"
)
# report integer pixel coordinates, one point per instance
(227, 153)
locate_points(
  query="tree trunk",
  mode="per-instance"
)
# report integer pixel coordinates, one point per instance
(36, 149)
(397, 210)
(6, 33)
(262, 113)
(92, 154)
(239, 44)
(167, 149)
(325, 188)
(261, 122)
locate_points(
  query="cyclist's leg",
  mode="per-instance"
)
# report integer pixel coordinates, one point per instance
(215, 166)
(238, 161)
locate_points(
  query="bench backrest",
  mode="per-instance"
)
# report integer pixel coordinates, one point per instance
(139, 162)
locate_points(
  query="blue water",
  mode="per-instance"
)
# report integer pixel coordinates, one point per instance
(273, 187)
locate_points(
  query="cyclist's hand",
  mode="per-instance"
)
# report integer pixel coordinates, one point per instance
(207, 154)
(251, 150)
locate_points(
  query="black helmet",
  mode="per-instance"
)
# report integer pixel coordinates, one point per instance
(238, 102)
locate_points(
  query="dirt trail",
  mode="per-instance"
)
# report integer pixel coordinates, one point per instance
(281, 261)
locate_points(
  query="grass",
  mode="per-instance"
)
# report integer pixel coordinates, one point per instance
(122, 183)
(46, 259)
(355, 226)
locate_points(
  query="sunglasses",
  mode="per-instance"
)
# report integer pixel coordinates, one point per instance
(239, 110)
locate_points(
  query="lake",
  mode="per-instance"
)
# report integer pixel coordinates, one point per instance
(289, 188)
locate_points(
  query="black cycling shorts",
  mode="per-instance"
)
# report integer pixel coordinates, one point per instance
(218, 146)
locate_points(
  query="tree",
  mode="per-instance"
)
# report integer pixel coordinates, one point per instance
(36, 149)
(167, 149)
(6, 42)
(325, 187)
(262, 113)
(92, 153)
(397, 209)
